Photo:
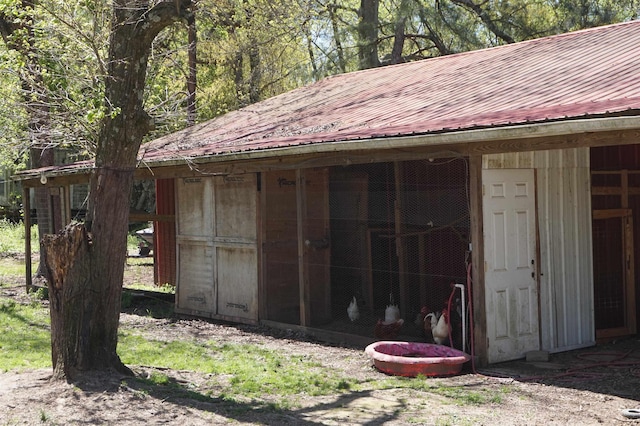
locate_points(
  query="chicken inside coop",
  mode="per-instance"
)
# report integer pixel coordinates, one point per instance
(392, 324)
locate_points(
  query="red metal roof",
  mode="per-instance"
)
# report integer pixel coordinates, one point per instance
(584, 73)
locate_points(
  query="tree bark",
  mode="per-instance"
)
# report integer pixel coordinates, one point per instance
(255, 75)
(399, 34)
(337, 38)
(368, 33)
(192, 79)
(85, 262)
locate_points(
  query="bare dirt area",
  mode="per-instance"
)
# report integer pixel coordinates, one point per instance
(589, 386)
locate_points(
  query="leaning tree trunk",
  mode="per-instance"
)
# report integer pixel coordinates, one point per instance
(85, 263)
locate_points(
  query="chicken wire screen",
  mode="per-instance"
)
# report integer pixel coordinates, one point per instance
(399, 237)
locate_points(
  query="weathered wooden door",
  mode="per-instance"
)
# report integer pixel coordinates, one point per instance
(235, 246)
(511, 289)
(613, 273)
(217, 246)
(195, 205)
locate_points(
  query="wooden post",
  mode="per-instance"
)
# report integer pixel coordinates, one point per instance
(303, 273)
(399, 239)
(26, 203)
(261, 229)
(477, 259)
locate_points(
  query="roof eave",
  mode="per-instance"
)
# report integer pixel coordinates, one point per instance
(458, 137)
(432, 140)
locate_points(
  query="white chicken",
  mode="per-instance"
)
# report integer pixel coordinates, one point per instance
(352, 310)
(392, 312)
(440, 328)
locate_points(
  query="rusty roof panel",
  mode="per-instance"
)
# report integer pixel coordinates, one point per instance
(580, 74)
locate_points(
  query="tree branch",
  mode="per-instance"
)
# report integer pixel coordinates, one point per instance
(484, 16)
(163, 14)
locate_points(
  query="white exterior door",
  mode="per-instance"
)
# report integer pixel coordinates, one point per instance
(511, 288)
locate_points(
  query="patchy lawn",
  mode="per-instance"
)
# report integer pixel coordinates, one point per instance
(197, 372)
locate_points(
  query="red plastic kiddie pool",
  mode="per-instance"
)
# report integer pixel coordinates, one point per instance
(412, 358)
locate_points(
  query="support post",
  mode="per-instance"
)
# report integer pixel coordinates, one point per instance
(26, 204)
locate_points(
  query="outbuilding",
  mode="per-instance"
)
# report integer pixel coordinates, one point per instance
(513, 172)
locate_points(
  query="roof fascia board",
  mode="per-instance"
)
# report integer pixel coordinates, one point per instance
(463, 137)
(477, 141)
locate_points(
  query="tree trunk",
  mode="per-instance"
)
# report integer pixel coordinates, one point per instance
(368, 33)
(238, 79)
(85, 262)
(399, 35)
(337, 38)
(83, 324)
(41, 158)
(255, 75)
(192, 79)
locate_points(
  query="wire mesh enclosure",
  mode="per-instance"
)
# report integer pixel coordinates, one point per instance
(398, 236)
(615, 215)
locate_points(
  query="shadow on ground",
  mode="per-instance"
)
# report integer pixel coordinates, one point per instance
(611, 368)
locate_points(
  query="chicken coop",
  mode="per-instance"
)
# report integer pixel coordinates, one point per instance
(394, 233)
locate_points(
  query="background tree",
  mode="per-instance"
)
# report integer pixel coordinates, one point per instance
(17, 30)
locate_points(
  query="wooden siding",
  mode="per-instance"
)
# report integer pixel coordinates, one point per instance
(565, 243)
(165, 233)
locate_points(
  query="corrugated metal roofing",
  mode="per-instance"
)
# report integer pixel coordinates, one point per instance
(584, 73)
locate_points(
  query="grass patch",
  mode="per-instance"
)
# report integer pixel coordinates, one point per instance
(12, 236)
(270, 379)
(26, 341)
(252, 371)
(166, 288)
(10, 267)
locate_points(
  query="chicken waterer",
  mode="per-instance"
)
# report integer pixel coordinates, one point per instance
(411, 359)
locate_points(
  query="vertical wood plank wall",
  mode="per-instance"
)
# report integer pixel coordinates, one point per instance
(165, 233)
(564, 226)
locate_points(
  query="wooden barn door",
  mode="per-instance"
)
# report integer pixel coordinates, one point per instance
(195, 205)
(510, 263)
(613, 272)
(235, 256)
(217, 247)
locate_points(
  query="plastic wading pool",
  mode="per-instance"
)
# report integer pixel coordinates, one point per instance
(411, 358)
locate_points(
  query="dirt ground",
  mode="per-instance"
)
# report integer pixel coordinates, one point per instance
(589, 386)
